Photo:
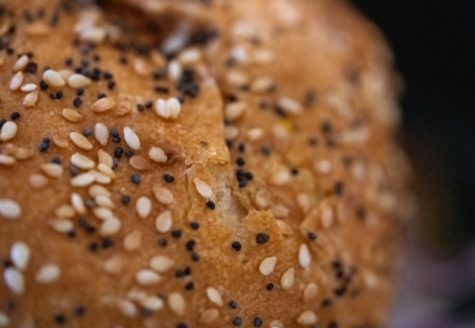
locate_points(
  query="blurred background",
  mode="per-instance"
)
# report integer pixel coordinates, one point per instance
(434, 46)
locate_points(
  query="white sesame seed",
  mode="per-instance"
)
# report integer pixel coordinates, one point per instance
(307, 318)
(303, 201)
(104, 201)
(127, 308)
(104, 158)
(16, 81)
(139, 163)
(161, 263)
(164, 221)
(141, 67)
(80, 140)
(237, 78)
(82, 180)
(14, 280)
(9, 131)
(214, 296)
(60, 141)
(255, 134)
(114, 264)
(203, 188)
(104, 175)
(168, 109)
(290, 106)
(234, 110)
(231, 132)
(276, 324)
(77, 81)
(280, 211)
(22, 154)
(21, 63)
(82, 161)
(110, 227)
(38, 181)
(190, 56)
(163, 195)
(305, 259)
(93, 34)
(96, 190)
(9, 209)
(53, 78)
(62, 225)
(262, 84)
(326, 216)
(72, 115)
(78, 203)
(153, 303)
(240, 54)
(146, 277)
(65, 211)
(143, 207)
(157, 154)
(30, 99)
(131, 138)
(20, 255)
(101, 133)
(133, 240)
(281, 177)
(267, 265)
(52, 170)
(176, 303)
(103, 104)
(7, 160)
(174, 70)
(4, 320)
(263, 56)
(287, 279)
(48, 273)
(322, 166)
(208, 316)
(310, 292)
(29, 87)
(103, 213)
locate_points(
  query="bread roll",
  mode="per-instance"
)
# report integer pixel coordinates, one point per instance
(186, 164)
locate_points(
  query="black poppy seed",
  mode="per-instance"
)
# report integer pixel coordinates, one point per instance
(195, 257)
(71, 234)
(189, 286)
(7, 263)
(107, 243)
(140, 108)
(148, 104)
(258, 322)
(339, 188)
(168, 178)
(237, 321)
(187, 271)
(129, 153)
(44, 145)
(332, 324)
(31, 68)
(125, 199)
(60, 319)
(327, 302)
(233, 304)
(248, 175)
(87, 132)
(162, 242)
(10, 305)
(236, 246)
(79, 311)
(190, 245)
(56, 160)
(135, 178)
(326, 127)
(242, 148)
(161, 89)
(194, 225)
(294, 171)
(14, 116)
(270, 286)
(240, 161)
(262, 238)
(179, 273)
(111, 85)
(43, 85)
(312, 236)
(107, 75)
(77, 102)
(182, 325)
(101, 95)
(93, 247)
(210, 204)
(176, 233)
(339, 292)
(74, 171)
(59, 94)
(52, 96)
(68, 61)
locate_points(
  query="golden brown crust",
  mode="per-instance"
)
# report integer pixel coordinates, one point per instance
(280, 187)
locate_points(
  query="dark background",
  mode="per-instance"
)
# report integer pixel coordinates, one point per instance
(434, 46)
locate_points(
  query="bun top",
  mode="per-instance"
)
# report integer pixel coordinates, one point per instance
(181, 163)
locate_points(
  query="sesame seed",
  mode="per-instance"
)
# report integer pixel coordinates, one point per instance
(77, 81)
(176, 303)
(62, 225)
(234, 110)
(304, 256)
(157, 154)
(101, 133)
(53, 78)
(104, 201)
(30, 99)
(127, 308)
(161, 263)
(9, 209)
(131, 138)
(80, 141)
(153, 303)
(20, 255)
(203, 188)
(28, 87)
(4, 320)
(214, 296)
(8, 131)
(16, 81)
(267, 265)
(289, 105)
(163, 195)
(139, 163)
(133, 240)
(93, 34)
(103, 105)
(168, 109)
(6, 160)
(38, 181)
(48, 273)
(110, 227)
(14, 280)
(262, 238)
(72, 115)
(21, 63)
(208, 316)
(310, 292)
(146, 277)
(288, 278)
(82, 180)
(164, 221)
(143, 207)
(52, 170)
(307, 318)
(77, 203)
(82, 161)
(103, 213)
